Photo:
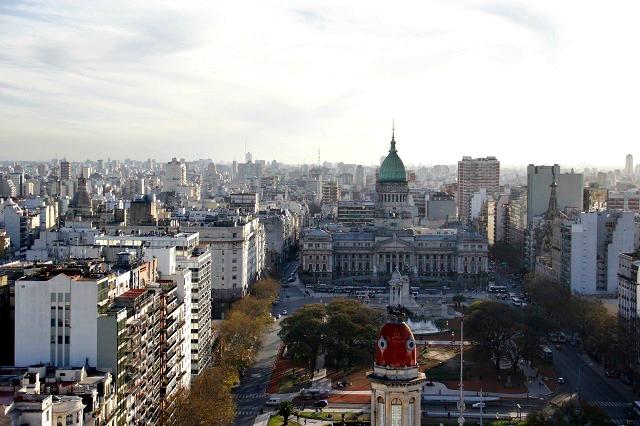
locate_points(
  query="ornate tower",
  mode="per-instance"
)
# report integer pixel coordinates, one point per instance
(396, 382)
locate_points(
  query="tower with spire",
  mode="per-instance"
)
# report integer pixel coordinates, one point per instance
(394, 203)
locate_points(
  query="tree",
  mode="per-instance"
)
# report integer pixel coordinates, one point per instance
(285, 410)
(238, 340)
(351, 328)
(491, 325)
(570, 414)
(345, 329)
(523, 346)
(303, 333)
(209, 401)
(458, 299)
(266, 289)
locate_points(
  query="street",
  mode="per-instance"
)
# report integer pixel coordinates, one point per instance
(250, 395)
(598, 390)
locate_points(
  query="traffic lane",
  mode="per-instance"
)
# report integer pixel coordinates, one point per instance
(500, 405)
(251, 392)
(594, 388)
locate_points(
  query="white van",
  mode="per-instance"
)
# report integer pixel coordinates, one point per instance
(273, 401)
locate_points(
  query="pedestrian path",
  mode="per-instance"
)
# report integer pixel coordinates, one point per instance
(535, 385)
(251, 396)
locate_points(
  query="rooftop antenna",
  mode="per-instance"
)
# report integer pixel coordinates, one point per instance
(319, 156)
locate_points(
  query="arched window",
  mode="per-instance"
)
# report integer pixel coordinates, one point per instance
(380, 411)
(396, 412)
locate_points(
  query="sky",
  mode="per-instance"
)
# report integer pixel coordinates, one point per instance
(529, 82)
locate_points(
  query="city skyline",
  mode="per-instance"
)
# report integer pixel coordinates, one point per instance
(293, 79)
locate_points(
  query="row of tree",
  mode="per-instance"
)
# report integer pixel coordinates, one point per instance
(554, 308)
(515, 334)
(344, 331)
(502, 333)
(210, 400)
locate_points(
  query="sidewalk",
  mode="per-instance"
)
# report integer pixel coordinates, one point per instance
(536, 386)
(439, 390)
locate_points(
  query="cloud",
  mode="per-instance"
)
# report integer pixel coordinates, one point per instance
(196, 78)
(523, 16)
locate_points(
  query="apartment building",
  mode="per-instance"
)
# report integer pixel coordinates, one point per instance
(474, 174)
(237, 245)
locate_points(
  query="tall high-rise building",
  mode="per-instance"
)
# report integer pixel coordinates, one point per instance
(628, 166)
(175, 175)
(473, 175)
(570, 189)
(65, 170)
(360, 177)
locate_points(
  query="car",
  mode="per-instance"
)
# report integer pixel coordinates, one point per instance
(560, 380)
(323, 403)
(612, 373)
(278, 316)
(284, 312)
(559, 347)
(273, 401)
(479, 405)
(292, 279)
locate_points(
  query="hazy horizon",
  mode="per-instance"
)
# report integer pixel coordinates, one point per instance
(543, 83)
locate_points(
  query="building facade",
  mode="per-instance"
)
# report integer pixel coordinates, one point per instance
(473, 175)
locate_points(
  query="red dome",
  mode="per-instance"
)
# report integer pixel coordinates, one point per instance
(396, 346)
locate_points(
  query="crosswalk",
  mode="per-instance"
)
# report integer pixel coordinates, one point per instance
(250, 396)
(242, 413)
(610, 404)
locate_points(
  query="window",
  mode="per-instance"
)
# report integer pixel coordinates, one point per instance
(396, 412)
(380, 411)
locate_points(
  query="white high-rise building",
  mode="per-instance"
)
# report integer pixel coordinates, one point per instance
(189, 256)
(237, 257)
(597, 239)
(56, 319)
(473, 175)
(175, 175)
(628, 166)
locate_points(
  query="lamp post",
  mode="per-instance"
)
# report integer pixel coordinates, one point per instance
(461, 402)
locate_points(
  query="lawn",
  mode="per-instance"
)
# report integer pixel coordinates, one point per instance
(335, 416)
(278, 421)
(442, 364)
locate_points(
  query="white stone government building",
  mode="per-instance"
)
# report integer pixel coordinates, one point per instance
(394, 242)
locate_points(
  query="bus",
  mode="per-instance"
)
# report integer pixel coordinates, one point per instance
(497, 288)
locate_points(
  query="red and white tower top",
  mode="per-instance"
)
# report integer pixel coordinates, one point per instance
(396, 346)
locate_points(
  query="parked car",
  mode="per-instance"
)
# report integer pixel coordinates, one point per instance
(479, 405)
(612, 373)
(284, 312)
(560, 380)
(273, 402)
(559, 347)
(278, 316)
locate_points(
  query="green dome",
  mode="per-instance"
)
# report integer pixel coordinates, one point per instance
(392, 168)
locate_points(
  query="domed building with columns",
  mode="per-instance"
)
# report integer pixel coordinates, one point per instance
(394, 206)
(395, 241)
(396, 382)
